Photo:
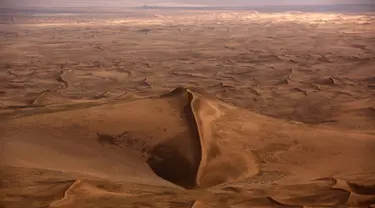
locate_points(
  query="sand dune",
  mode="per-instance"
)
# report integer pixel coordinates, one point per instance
(182, 149)
(276, 109)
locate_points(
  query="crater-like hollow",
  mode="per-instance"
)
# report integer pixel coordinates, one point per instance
(177, 159)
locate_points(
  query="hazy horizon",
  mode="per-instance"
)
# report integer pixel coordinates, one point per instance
(132, 3)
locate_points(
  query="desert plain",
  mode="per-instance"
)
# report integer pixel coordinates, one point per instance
(187, 108)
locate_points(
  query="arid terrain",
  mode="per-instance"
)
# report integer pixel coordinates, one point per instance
(169, 108)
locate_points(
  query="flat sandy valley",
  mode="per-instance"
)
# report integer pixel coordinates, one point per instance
(178, 108)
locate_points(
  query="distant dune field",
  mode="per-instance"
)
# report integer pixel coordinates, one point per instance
(196, 109)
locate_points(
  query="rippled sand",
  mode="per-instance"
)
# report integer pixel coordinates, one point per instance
(169, 109)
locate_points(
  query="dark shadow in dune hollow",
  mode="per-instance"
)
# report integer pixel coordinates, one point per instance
(177, 159)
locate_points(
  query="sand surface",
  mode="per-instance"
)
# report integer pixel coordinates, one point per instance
(187, 109)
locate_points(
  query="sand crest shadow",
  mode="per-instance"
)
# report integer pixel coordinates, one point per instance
(199, 160)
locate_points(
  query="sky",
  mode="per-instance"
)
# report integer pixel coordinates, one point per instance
(130, 3)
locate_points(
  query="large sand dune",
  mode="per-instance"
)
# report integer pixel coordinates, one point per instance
(112, 155)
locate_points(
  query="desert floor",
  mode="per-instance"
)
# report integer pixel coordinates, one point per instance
(233, 109)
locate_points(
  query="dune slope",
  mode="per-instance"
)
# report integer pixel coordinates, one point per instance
(182, 149)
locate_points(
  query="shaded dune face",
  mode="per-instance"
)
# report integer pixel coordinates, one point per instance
(169, 164)
(177, 159)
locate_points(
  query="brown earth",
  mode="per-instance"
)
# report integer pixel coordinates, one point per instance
(218, 109)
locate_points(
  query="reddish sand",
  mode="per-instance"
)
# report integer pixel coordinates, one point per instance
(275, 110)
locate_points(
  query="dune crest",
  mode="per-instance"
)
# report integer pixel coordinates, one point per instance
(222, 161)
(216, 161)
